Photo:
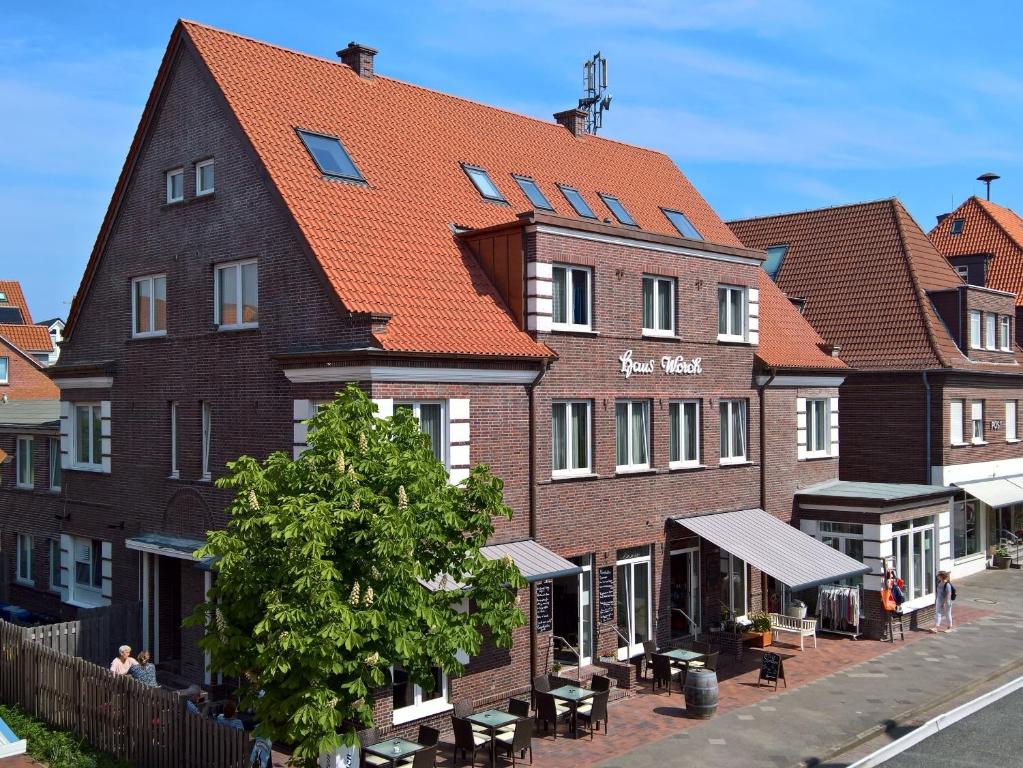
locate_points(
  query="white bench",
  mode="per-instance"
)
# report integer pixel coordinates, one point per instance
(803, 627)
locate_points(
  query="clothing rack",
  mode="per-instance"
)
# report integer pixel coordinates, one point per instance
(838, 609)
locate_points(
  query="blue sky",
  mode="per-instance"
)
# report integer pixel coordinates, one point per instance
(767, 106)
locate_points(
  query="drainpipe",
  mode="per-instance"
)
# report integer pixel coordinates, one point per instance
(763, 440)
(927, 387)
(531, 477)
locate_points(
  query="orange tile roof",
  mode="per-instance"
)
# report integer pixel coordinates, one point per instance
(786, 339)
(30, 338)
(864, 271)
(987, 228)
(15, 298)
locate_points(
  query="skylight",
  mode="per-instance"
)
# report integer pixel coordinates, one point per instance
(576, 200)
(330, 156)
(682, 224)
(3, 296)
(531, 190)
(957, 226)
(775, 256)
(483, 183)
(615, 206)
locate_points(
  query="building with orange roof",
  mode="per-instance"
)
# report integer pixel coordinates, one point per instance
(564, 308)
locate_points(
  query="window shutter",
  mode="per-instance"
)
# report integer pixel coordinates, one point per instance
(458, 439)
(833, 405)
(753, 317)
(800, 428)
(301, 410)
(955, 426)
(104, 413)
(66, 411)
(107, 569)
(67, 566)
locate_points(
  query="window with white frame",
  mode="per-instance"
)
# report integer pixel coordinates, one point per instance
(572, 298)
(955, 422)
(56, 575)
(207, 431)
(204, 177)
(25, 477)
(236, 286)
(975, 341)
(570, 438)
(818, 427)
(733, 584)
(88, 432)
(632, 423)
(411, 701)
(1011, 431)
(1005, 333)
(847, 538)
(733, 431)
(684, 433)
(53, 445)
(5, 365)
(989, 325)
(658, 306)
(176, 185)
(914, 549)
(174, 439)
(966, 540)
(430, 416)
(88, 566)
(731, 313)
(977, 421)
(23, 556)
(149, 306)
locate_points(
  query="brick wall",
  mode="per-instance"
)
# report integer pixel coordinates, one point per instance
(25, 380)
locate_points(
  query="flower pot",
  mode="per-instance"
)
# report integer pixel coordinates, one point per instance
(1001, 563)
(762, 639)
(796, 611)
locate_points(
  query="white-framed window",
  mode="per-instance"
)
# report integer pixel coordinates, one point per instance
(731, 313)
(975, 341)
(88, 429)
(955, 422)
(733, 585)
(23, 557)
(658, 306)
(53, 444)
(173, 414)
(570, 438)
(818, 427)
(632, 423)
(733, 431)
(411, 701)
(236, 287)
(684, 433)
(966, 529)
(204, 177)
(207, 432)
(1011, 430)
(25, 477)
(977, 421)
(5, 366)
(990, 334)
(572, 298)
(847, 538)
(88, 566)
(56, 575)
(176, 185)
(1005, 333)
(431, 416)
(149, 306)
(914, 548)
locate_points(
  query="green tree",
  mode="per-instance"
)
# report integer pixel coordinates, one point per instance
(319, 574)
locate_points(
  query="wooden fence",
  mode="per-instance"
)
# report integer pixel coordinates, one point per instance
(148, 727)
(96, 635)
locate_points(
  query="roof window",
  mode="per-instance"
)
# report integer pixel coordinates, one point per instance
(775, 256)
(615, 206)
(532, 190)
(330, 156)
(483, 183)
(682, 224)
(3, 297)
(576, 201)
(957, 226)
(11, 315)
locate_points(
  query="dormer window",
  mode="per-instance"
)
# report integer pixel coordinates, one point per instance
(483, 183)
(176, 185)
(957, 226)
(330, 156)
(775, 257)
(532, 191)
(615, 206)
(576, 200)
(681, 222)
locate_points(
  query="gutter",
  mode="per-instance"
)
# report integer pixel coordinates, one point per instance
(927, 387)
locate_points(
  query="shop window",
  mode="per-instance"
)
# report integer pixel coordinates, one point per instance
(431, 423)
(965, 531)
(570, 434)
(847, 538)
(914, 551)
(632, 426)
(684, 433)
(571, 298)
(658, 306)
(411, 701)
(733, 431)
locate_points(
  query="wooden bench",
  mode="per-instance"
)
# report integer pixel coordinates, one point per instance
(803, 627)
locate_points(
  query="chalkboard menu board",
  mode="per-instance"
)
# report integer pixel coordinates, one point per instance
(772, 669)
(543, 619)
(605, 594)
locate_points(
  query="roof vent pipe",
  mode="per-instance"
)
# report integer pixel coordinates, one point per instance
(359, 58)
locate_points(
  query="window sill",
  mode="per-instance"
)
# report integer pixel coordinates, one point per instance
(732, 339)
(148, 336)
(187, 200)
(174, 476)
(419, 711)
(734, 463)
(959, 445)
(979, 442)
(817, 457)
(24, 583)
(685, 467)
(98, 469)
(660, 335)
(1013, 440)
(24, 487)
(236, 328)
(577, 331)
(99, 602)
(559, 477)
(970, 558)
(635, 471)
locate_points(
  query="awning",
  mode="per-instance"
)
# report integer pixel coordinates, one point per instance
(168, 546)
(999, 492)
(776, 548)
(535, 563)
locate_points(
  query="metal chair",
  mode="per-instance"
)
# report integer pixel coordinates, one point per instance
(466, 739)
(594, 712)
(517, 741)
(665, 673)
(549, 711)
(600, 683)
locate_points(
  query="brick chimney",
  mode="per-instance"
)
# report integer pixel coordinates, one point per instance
(359, 58)
(574, 119)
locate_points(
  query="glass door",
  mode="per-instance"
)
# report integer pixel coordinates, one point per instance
(585, 608)
(685, 592)
(634, 613)
(573, 615)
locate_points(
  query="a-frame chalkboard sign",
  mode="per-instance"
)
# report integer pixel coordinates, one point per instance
(772, 668)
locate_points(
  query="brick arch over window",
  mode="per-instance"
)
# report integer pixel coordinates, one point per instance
(187, 514)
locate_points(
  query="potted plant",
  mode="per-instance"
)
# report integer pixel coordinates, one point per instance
(1001, 558)
(760, 628)
(730, 639)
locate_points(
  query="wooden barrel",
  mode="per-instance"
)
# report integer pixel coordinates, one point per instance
(701, 692)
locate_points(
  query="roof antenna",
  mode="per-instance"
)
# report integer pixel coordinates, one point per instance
(597, 99)
(987, 178)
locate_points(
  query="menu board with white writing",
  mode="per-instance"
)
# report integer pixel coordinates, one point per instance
(543, 617)
(605, 594)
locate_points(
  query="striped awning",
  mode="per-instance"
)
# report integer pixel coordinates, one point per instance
(998, 492)
(535, 562)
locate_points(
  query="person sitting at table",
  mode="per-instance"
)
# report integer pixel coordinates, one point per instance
(123, 662)
(144, 671)
(192, 695)
(229, 716)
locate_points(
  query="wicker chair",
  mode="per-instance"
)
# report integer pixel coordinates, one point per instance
(425, 758)
(549, 711)
(466, 739)
(517, 741)
(463, 709)
(710, 661)
(428, 737)
(594, 712)
(665, 673)
(369, 736)
(649, 649)
(600, 683)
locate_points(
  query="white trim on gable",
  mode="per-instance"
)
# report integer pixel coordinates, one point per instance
(402, 374)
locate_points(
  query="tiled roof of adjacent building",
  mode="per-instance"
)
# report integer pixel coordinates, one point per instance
(387, 246)
(864, 270)
(30, 338)
(987, 228)
(786, 339)
(13, 297)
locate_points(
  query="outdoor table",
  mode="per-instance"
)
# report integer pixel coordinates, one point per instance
(572, 694)
(395, 749)
(492, 719)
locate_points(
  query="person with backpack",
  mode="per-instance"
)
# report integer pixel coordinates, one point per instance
(943, 597)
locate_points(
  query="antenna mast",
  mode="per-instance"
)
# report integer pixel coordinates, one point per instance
(597, 99)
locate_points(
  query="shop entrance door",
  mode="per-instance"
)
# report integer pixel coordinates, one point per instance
(633, 601)
(573, 614)
(685, 592)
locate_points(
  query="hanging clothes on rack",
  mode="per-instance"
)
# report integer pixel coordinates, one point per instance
(838, 609)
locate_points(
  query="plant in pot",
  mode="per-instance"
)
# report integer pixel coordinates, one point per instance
(761, 627)
(1001, 558)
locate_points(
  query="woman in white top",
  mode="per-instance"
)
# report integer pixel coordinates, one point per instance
(943, 602)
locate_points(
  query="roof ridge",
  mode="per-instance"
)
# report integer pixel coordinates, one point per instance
(812, 210)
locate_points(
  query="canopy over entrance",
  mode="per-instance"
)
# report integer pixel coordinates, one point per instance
(534, 561)
(999, 492)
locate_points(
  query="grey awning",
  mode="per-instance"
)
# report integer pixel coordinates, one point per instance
(168, 546)
(776, 548)
(535, 563)
(998, 492)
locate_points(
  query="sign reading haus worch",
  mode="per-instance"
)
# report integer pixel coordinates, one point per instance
(676, 366)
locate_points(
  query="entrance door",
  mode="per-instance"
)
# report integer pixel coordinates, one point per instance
(685, 592)
(634, 612)
(573, 614)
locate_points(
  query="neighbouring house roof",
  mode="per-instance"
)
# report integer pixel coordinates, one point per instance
(31, 338)
(876, 494)
(388, 246)
(865, 270)
(987, 228)
(786, 339)
(49, 323)
(14, 297)
(30, 413)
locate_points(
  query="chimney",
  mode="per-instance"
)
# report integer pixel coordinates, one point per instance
(574, 119)
(942, 216)
(359, 58)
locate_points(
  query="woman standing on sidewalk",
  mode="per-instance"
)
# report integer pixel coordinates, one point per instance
(943, 602)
